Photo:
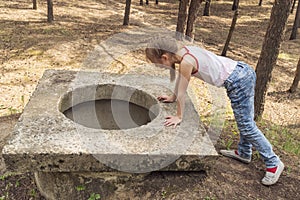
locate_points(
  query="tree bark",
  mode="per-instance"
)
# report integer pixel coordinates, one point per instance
(296, 79)
(127, 13)
(270, 50)
(206, 11)
(182, 18)
(293, 6)
(233, 23)
(296, 23)
(193, 12)
(34, 6)
(50, 16)
(235, 4)
(260, 3)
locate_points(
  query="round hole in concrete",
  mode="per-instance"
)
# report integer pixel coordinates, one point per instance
(110, 107)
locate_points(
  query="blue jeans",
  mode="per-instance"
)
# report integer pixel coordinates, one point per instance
(240, 87)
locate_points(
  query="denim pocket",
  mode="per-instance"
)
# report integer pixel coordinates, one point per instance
(240, 83)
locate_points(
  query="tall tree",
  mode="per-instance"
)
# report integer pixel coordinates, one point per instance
(235, 5)
(233, 23)
(50, 16)
(293, 6)
(296, 23)
(193, 12)
(182, 17)
(34, 4)
(206, 11)
(127, 13)
(270, 50)
(147, 2)
(296, 79)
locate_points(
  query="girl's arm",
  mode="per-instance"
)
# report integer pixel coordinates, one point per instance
(185, 71)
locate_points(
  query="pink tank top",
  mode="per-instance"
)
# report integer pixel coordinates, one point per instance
(211, 68)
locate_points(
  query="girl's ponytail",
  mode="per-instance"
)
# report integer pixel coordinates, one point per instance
(172, 73)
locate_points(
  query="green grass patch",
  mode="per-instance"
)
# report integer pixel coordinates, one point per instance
(94, 196)
(281, 137)
(80, 188)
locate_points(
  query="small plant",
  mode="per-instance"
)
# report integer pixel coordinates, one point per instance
(12, 110)
(229, 143)
(256, 155)
(163, 194)
(4, 176)
(33, 193)
(17, 184)
(80, 188)
(94, 196)
(209, 198)
(5, 196)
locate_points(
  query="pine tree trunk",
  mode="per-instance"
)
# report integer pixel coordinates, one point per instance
(293, 6)
(233, 23)
(260, 3)
(50, 16)
(270, 51)
(182, 18)
(193, 12)
(296, 79)
(34, 6)
(296, 23)
(206, 11)
(127, 13)
(235, 4)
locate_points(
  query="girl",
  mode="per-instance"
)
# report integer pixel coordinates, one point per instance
(239, 80)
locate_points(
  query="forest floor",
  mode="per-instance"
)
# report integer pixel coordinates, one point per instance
(29, 45)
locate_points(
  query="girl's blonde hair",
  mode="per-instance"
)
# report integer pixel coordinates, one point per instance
(160, 46)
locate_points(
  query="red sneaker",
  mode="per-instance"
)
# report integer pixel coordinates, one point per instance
(273, 174)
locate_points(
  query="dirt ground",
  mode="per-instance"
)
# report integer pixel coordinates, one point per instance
(29, 45)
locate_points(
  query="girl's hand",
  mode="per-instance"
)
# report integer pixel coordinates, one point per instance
(166, 98)
(172, 120)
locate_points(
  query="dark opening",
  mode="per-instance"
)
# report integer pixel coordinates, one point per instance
(109, 114)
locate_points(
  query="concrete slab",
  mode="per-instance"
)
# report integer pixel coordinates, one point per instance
(47, 139)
